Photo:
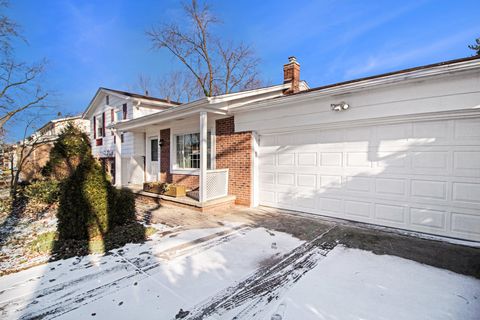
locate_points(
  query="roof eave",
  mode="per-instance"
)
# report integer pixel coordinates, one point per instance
(365, 83)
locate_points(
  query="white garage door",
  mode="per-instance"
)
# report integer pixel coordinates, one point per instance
(422, 176)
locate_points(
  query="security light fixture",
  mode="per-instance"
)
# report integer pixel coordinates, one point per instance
(342, 106)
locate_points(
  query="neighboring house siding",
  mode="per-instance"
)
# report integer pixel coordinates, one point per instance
(41, 154)
(234, 151)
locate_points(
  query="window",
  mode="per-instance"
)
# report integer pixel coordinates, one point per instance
(188, 151)
(107, 100)
(119, 115)
(100, 125)
(124, 109)
(121, 138)
(154, 150)
(112, 115)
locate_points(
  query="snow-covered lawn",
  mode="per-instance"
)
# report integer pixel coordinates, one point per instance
(237, 271)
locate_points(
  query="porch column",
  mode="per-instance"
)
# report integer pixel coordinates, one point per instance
(203, 157)
(118, 159)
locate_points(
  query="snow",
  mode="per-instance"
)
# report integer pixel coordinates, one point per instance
(139, 279)
(356, 284)
(187, 269)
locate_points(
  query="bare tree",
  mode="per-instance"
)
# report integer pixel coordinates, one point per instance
(179, 86)
(9, 29)
(475, 47)
(144, 84)
(19, 81)
(217, 67)
(22, 155)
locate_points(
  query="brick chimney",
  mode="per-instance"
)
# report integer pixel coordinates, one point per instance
(291, 74)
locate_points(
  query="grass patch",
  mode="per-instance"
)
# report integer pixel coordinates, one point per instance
(116, 238)
(149, 231)
(43, 243)
(48, 242)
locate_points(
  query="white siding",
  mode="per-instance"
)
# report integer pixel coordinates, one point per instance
(447, 93)
(133, 144)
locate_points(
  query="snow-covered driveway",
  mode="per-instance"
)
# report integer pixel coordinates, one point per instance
(237, 271)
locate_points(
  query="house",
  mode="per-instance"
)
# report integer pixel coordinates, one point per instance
(400, 149)
(37, 147)
(110, 106)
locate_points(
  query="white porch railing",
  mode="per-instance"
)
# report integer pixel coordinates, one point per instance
(217, 183)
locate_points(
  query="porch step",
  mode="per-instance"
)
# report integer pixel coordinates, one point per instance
(187, 202)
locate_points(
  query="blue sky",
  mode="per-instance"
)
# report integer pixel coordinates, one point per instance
(91, 43)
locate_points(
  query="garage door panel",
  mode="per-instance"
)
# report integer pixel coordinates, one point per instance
(431, 131)
(421, 176)
(426, 219)
(359, 184)
(390, 213)
(467, 131)
(331, 159)
(390, 186)
(308, 159)
(466, 163)
(358, 159)
(332, 205)
(331, 181)
(358, 208)
(307, 180)
(468, 224)
(393, 134)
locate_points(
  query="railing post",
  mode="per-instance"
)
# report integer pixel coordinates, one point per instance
(203, 157)
(118, 159)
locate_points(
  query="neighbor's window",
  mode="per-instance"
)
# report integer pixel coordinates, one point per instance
(188, 150)
(107, 100)
(154, 150)
(99, 125)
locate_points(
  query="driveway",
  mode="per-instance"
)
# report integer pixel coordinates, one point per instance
(254, 264)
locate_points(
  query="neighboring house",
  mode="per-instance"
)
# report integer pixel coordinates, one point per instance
(400, 149)
(41, 142)
(110, 106)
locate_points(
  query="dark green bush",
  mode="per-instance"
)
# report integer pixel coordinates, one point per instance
(122, 202)
(84, 203)
(69, 150)
(46, 191)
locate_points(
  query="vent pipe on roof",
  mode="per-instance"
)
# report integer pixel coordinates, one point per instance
(291, 74)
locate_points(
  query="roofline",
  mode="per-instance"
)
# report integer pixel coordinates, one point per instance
(204, 104)
(128, 95)
(59, 120)
(141, 96)
(382, 75)
(445, 67)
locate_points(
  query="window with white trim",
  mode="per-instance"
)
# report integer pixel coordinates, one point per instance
(99, 125)
(188, 151)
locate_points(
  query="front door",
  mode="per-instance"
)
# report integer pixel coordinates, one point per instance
(153, 157)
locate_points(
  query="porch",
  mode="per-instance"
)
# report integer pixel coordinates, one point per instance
(179, 149)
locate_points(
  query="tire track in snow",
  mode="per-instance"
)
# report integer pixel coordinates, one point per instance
(252, 295)
(137, 269)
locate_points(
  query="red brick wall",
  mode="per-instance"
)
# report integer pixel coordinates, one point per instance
(234, 151)
(189, 181)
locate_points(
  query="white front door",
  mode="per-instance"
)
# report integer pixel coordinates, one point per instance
(421, 176)
(153, 159)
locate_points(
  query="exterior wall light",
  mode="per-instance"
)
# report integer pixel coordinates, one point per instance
(342, 106)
